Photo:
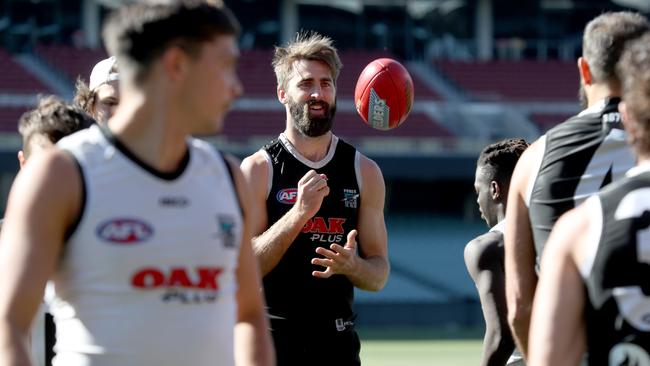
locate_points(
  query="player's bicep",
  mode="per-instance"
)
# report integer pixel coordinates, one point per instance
(44, 202)
(255, 170)
(372, 226)
(557, 326)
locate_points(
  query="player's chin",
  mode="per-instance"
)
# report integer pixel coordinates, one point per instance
(213, 128)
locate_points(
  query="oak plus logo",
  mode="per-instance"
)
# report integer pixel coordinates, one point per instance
(287, 196)
(180, 284)
(125, 231)
(323, 230)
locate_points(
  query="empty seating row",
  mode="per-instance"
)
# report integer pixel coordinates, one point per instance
(513, 80)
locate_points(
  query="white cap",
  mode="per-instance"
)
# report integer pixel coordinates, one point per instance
(102, 74)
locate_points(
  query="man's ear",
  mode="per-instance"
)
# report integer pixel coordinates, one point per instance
(175, 63)
(495, 190)
(282, 95)
(585, 71)
(21, 159)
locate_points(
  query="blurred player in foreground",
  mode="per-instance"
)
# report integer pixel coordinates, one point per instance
(319, 227)
(572, 161)
(484, 254)
(603, 246)
(142, 228)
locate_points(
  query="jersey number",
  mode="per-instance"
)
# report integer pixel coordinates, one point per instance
(632, 304)
(609, 161)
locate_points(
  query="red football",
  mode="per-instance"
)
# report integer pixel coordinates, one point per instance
(384, 94)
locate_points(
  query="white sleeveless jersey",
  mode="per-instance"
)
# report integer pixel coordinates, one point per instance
(148, 275)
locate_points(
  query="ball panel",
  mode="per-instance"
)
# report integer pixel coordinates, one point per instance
(362, 89)
(403, 89)
(384, 94)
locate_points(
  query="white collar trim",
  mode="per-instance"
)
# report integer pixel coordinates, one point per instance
(500, 226)
(639, 169)
(597, 107)
(312, 164)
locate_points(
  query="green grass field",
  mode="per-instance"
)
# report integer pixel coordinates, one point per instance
(418, 348)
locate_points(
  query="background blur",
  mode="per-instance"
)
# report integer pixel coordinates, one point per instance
(483, 70)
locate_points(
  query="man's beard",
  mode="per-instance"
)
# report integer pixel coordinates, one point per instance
(582, 96)
(308, 125)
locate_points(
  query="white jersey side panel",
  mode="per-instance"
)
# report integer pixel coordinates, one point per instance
(148, 277)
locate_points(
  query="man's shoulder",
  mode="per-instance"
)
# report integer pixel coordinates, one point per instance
(81, 137)
(579, 123)
(483, 250)
(487, 240)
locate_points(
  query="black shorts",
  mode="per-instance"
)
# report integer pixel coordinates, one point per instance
(303, 343)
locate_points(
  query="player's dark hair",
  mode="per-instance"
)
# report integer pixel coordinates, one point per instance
(604, 39)
(139, 33)
(498, 160)
(634, 69)
(52, 119)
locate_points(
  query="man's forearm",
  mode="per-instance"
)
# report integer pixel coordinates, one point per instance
(519, 325)
(270, 246)
(371, 273)
(253, 346)
(13, 348)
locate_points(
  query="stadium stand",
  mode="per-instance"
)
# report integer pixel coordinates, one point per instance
(355, 61)
(9, 118)
(257, 75)
(243, 124)
(547, 121)
(71, 61)
(15, 79)
(513, 80)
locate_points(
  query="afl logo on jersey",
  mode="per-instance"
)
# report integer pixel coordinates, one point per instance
(287, 196)
(124, 231)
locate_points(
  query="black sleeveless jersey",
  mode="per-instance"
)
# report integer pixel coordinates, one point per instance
(618, 284)
(581, 155)
(292, 292)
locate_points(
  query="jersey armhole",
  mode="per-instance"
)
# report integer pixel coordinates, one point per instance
(72, 228)
(536, 166)
(232, 181)
(592, 237)
(357, 170)
(269, 183)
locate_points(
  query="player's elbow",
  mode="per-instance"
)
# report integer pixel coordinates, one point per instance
(378, 285)
(380, 277)
(518, 317)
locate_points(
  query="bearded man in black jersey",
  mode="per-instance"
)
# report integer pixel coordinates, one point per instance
(603, 246)
(571, 162)
(319, 226)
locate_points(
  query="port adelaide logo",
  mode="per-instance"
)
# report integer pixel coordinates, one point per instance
(226, 231)
(350, 198)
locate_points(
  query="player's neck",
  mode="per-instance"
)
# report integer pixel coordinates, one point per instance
(312, 148)
(150, 131)
(642, 159)
(600, 91)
